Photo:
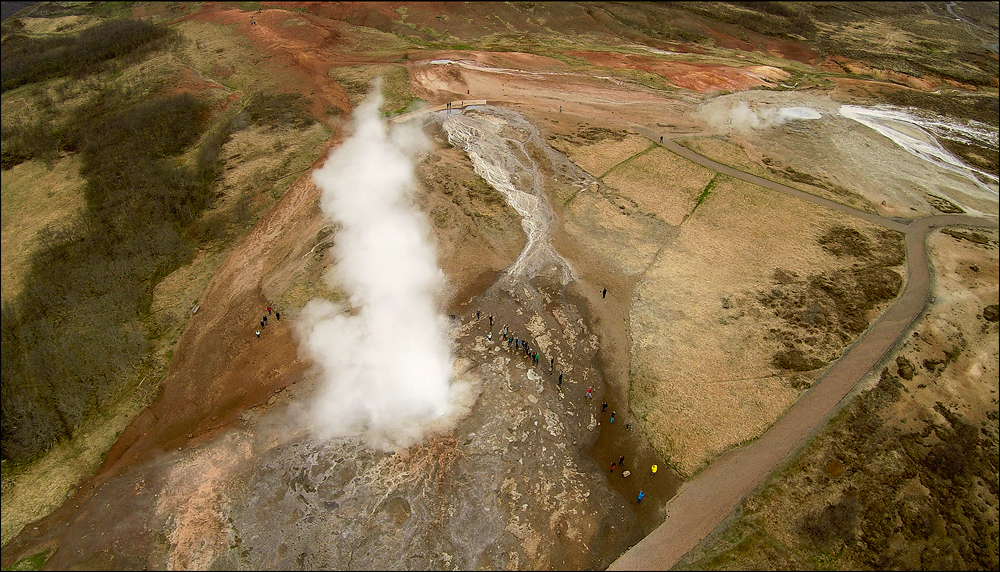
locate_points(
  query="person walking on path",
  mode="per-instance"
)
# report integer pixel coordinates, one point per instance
(258, 334)
(613, 466)
(604, 293)
(652, 470)
(489, 336)
(590, 390)
(264, 319)
(639, 500)
(621, 461)
(491, 320)
(604, 406)
(277, 316)
(612, 416)
(262, 324)
(477, 314)
(268, 310)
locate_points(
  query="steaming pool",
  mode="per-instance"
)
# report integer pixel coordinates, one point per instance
(799, 113)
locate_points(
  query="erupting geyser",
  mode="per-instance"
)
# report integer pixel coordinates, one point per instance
(384, 357)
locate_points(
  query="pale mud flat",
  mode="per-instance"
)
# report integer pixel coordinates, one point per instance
(843, 156)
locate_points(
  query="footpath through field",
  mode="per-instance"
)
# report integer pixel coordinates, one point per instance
(706, 500)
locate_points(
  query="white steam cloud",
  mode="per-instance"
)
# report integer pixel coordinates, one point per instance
(384, 358)
(740, 116)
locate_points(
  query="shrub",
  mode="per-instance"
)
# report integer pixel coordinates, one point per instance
(27, 60)
(75, 333)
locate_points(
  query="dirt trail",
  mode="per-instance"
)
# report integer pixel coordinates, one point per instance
(706, 500)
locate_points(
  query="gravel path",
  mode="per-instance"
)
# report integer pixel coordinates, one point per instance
(707, 499)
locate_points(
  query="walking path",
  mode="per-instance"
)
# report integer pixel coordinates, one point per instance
(706, 500)
(457, 104)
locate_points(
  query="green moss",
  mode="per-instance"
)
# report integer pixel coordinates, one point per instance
(357, 81)
(34, 562)
(704, 192)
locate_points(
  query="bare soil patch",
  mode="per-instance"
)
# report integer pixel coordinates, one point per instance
(704, 78)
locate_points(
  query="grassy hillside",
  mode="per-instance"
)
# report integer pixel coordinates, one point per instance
(78, 331)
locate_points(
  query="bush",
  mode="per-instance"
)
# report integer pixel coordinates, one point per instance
(75, 333)
(834, 524)
(277, 110)
(27, 60)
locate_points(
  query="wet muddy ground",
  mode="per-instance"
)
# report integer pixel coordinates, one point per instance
(520, 483)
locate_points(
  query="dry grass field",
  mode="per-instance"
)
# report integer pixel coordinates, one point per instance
(726, 152)
(598, 150)
(661, 183)
(35, 198)
(900, 478)
(704, 338)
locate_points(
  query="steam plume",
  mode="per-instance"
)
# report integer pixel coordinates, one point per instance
(384, 361)
(741, 117)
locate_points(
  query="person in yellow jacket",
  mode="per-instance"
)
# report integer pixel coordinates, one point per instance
(652, 470)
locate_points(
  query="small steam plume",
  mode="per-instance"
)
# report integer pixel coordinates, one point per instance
(740, 116)
(384, 358)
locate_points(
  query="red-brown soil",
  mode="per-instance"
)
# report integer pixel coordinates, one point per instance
(703, 78)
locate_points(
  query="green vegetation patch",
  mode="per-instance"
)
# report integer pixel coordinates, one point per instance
(357, 82)
(704, 192)
(33, 562)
